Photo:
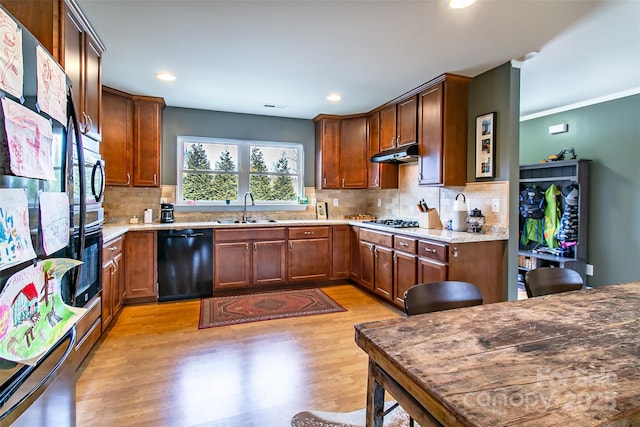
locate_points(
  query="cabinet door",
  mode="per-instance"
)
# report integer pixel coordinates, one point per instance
(353, 152)
(328, 154)
(72, 62)
(379, 175)
(232, 265)
(92, 88)
(430, 270)
(147, 135)
(366, 264)
(140, 266)
(355, 254)
(388, 128)
(430, 136)
(405, 275)
(108, 280)
(407, 121)
(308, 259)
(117, 137)
(340, 251)
(383, 276)
(464, 265)
(269, 262)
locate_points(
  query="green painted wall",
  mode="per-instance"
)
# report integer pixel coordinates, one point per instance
(498, 90)
(217, 124)
(609, 134)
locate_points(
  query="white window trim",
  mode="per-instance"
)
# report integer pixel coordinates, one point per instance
(243, 175)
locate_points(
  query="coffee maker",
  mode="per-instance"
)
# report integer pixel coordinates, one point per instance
(166, 212)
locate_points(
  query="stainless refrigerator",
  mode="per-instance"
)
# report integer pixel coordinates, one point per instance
(44, 394)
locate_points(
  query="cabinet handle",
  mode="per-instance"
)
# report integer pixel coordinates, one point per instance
(128, 178)
(324, 181)
(393, 141)
(371, 248)
(455, 252)
(113, 248)
(342, 182)
(376, 184)
(427, 250)
(403, 244)
(89, 124)
(308, 232)
(246, 246)
(398, 139)
(117, 267)
(291, 245)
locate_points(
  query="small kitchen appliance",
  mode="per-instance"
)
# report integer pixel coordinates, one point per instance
(459, 219)
(166, 212)
(475, 221)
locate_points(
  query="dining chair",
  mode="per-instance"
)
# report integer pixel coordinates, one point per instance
(437, 296)
(551, 280)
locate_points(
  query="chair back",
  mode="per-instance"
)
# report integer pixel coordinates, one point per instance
(437, 296)
(551, 280)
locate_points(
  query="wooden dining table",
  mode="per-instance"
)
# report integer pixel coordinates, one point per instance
(570, 359)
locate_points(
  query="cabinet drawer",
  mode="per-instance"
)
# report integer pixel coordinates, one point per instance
(405, 244)
(112, 248)
(308, 232)
(383, 239)
(433, 250)
(244, 234)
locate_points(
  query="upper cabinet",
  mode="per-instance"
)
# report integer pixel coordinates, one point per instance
(442, 131)
(64, 31)
(379, 175)
(341, 152)
(398, 123)
(132, 138)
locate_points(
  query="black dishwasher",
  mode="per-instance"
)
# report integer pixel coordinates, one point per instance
(185, 264)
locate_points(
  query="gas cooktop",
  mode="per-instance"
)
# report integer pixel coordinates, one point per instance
(394, 223)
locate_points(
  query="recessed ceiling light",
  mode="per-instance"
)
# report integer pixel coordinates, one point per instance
(334, 97)
(460, 4)
(166, 77)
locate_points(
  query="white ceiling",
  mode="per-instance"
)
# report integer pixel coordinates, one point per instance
(239, 55)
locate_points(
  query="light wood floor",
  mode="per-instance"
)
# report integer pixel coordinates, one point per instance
(154, 367)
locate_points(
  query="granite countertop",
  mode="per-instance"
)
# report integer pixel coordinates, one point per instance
(111, 231)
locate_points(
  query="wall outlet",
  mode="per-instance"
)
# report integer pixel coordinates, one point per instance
(495, 205)
(314, 201)
(335, 202)
(379, 203)
(589, 271)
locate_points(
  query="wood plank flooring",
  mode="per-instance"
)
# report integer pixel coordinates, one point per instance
(155, 367)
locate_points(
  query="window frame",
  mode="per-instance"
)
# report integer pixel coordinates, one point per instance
(243, 173)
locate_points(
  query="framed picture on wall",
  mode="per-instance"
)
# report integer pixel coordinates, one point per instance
(485, 146)
(321, 210)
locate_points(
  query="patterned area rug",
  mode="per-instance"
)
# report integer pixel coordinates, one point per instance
(395, 418)
(222, 311)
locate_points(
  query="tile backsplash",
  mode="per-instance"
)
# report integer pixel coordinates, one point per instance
(121, 203)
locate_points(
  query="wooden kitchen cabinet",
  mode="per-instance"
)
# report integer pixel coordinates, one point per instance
(379, 175)
(481, 264)
(340, 251)
(249, 256)
(140, 259)
(132, 138)
(398, 123)
(376, 262)
(442, 131)
(354, 241)
(64, 31)
(405, 272)
(112, 279)
(353, 153)
(309, 254)
(328, 153)
(432, 262)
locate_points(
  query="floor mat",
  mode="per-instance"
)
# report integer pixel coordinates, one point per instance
(231, 310)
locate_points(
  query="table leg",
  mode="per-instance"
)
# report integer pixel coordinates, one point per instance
(375, 398)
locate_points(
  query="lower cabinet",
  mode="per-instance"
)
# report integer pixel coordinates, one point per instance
(249, 256)
(340, 251)
(140, 267)
(309, 254)
(390, 263)
(112, 279)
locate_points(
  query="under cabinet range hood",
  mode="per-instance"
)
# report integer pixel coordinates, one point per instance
(406, 154)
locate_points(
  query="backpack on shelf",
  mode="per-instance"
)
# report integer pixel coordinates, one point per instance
(532, 203)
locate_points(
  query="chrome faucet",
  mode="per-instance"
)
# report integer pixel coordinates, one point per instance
(244, 209)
